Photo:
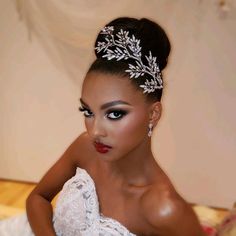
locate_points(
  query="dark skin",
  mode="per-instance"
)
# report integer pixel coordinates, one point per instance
(143, 198)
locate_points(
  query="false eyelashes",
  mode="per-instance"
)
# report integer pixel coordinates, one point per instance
(112, 114)
(82, 109)
(87, 112)
(116, 114)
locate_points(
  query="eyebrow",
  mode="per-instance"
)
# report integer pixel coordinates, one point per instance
(108, 104)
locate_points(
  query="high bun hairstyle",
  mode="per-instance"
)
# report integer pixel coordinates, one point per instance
(152, 39)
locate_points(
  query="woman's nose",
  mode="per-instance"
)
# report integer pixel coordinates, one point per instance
(97, 129)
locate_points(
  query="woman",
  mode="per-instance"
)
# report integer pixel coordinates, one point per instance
(113, 185)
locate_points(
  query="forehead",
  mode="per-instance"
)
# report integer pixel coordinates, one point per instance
(101, 88)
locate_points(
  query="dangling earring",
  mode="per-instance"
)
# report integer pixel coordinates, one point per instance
(150, 128)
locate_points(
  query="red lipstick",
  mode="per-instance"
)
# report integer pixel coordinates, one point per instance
(102, 148)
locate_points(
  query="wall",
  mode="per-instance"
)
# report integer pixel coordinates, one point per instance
(195, 139)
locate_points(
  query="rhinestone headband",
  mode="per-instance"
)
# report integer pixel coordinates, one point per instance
(126, 48)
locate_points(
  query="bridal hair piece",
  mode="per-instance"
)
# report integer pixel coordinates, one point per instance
(127, 47)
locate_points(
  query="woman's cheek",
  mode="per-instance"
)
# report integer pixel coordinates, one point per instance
(130, 128)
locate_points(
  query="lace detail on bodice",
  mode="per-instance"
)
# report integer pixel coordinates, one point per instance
(77, 210)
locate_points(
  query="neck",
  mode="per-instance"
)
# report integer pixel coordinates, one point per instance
(136, 167)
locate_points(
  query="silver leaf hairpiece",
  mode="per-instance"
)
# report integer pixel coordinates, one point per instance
(128, 47)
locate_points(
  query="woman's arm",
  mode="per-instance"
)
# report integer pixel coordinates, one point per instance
(38, 204)
(39, 212)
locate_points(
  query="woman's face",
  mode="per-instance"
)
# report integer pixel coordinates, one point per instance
(116, 114)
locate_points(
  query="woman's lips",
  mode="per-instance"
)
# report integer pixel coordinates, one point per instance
(102, 148)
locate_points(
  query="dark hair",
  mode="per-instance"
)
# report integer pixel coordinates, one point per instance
(152, 38)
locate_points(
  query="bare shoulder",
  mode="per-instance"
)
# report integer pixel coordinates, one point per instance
(81, 150)
(64, 168)
(169, 214)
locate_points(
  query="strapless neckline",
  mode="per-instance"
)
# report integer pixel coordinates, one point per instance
(78, 169)
(77, 210)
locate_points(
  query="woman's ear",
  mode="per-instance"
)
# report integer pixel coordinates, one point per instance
(155, 113)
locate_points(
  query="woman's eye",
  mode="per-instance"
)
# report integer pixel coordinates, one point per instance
(113, 115)
(87, 112)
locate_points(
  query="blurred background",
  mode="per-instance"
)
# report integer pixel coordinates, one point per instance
(47, 46)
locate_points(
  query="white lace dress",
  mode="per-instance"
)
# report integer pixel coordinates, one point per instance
(76, 213)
